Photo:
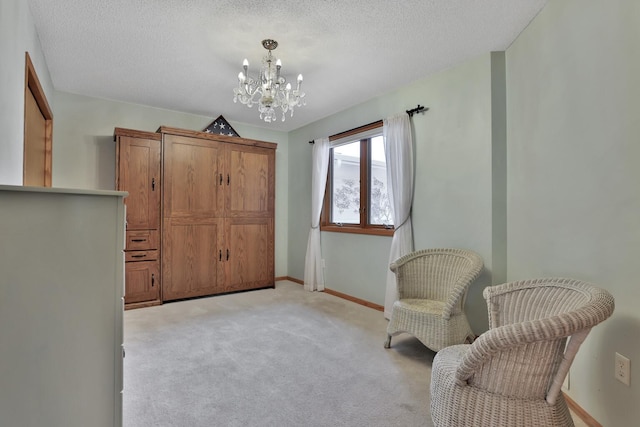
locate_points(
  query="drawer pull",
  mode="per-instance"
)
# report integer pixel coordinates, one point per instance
(138, 240)
(139, 256)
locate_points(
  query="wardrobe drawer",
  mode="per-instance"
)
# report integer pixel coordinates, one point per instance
(141, 255)
(142, 239)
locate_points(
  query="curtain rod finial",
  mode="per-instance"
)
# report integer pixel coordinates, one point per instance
(418, 109)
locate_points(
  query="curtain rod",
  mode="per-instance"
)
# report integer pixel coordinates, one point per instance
(418, 109)
(411, 112)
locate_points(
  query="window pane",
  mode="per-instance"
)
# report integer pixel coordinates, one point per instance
(345, 185)
(379, 207)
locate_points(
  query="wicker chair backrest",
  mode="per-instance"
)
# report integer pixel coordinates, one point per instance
(530, 322)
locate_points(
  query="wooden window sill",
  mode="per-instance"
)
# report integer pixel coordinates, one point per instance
(375, 231)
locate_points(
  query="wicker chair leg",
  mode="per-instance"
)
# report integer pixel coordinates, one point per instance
(387, 343)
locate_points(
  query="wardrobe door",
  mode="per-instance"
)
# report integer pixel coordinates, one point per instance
(192, 258)
(249, 249)
(142, 281)
(194, 179)
(249, 211)
(139, 174)
(192, 217)
(250, 181)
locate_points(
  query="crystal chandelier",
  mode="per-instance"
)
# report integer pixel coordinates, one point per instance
(270, 90)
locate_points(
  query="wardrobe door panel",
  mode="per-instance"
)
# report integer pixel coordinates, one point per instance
(250, 246)
(193, 177)
(192, 258)
(142, 281)
(251, 181)
(139, 174)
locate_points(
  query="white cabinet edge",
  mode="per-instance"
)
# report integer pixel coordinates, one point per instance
(55, 190)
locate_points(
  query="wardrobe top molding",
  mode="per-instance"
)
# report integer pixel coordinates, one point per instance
(157, 135)
(136, 134)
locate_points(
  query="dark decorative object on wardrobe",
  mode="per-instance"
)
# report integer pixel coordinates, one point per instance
(221, 127)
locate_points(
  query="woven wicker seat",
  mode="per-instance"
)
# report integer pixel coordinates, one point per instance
(512, 374)
(432, 287)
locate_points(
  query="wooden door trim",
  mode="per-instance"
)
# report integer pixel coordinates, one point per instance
(32, 84)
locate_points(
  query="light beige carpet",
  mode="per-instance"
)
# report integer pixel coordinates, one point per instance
(274, 357)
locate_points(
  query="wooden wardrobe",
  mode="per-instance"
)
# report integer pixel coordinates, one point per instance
(215, 213)
(138, 169)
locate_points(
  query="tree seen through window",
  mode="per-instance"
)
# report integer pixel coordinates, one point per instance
(351, 203)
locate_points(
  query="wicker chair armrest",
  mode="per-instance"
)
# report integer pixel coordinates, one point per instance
(395, 265)
(459, 291)
(409, 286)
(509, 336)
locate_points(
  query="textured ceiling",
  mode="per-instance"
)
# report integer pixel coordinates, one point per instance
(185, 55)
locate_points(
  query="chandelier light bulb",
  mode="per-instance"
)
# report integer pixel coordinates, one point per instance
(270, 90)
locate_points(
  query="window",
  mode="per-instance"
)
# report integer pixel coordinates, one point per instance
(356, 199)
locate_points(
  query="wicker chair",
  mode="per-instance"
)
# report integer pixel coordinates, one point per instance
(432, 287)
(512, 374)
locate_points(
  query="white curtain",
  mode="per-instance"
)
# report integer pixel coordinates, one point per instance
(398, 148)
(313, 271)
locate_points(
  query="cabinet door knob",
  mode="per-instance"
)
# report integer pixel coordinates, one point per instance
(220, 179)
(228, 179)
(220, 255)
(153, 279)
(153, 184)
(227, 254)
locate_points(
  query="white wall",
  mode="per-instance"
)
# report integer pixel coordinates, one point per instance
(453, 184)
(17, 36)
(573, 96)
(84, 150)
